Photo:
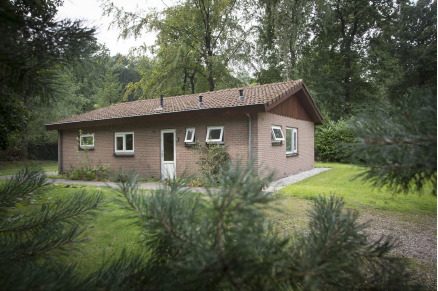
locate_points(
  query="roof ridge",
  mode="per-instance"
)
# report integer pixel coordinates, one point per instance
(228, 89)
(200, 93)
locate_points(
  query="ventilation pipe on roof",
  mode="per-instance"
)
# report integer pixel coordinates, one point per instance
(241, 95)
(200, 101)
(161, 103)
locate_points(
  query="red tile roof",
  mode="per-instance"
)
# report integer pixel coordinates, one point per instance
(263, 94)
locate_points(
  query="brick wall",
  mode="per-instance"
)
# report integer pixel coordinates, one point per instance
(273, 157)
(147, 158)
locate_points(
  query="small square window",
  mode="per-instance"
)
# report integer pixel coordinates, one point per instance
(277, 134)
(190, 135)
(215, 134)
(86, 141)
(124, 142)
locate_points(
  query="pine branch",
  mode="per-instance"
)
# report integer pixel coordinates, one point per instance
(407, 141)
(67, 210)
(44, 242)
(26, 181)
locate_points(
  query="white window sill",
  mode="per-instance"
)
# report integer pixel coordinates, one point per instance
(83, 148)
(292, 155)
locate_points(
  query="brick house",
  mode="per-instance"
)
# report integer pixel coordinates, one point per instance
(273, 124)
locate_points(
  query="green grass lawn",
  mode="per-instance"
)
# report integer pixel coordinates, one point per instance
(116, 228)
(109, 233)
(340, 180)
(11, 168)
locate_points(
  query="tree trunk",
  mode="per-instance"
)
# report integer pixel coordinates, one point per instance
(347, 82)
(208, 54)
(192, 82)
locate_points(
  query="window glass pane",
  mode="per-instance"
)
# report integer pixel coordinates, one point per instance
(119, 141)
(295, 141)
(189, 136)
(288, 140)
(277, 132)
(215, 134)
(168, 146)
(87, 140)
(129, 142)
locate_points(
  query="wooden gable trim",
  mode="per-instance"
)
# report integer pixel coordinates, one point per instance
(280, 99)
(293, 107)
(303, 100)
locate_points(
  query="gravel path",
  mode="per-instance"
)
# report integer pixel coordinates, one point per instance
(415, 236)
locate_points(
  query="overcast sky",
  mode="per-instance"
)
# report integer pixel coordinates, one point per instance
(91, 13)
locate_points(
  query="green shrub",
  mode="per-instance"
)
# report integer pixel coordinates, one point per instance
(88, 173)
(330, 141)
(212, 159)
(43, 150)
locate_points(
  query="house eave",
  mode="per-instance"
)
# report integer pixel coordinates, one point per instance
(226, 111)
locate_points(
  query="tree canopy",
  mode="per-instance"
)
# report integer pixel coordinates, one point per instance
(354, 56)
(197, 41)
(33, 46)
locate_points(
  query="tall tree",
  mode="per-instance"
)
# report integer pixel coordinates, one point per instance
(283, 32)
(404, 55)
(197, 40)
(33, 46)
(337, 57)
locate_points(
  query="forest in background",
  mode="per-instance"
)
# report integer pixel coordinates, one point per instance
(354, 56)
(370, 65)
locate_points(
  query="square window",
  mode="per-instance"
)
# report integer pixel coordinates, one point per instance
(124, 142)
(190, 135)
(277, 134)
(86, 141)
(291, 141)
(215, 134)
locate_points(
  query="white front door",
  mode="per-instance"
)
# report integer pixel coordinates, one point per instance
(168, 154)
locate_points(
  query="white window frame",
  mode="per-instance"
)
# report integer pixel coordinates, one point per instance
(293, 141)
(274, 138)
(123, 134)
(220, 140)
(86, 146)
(192, 140)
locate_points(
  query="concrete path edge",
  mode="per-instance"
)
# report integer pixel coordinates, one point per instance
(272, 187)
